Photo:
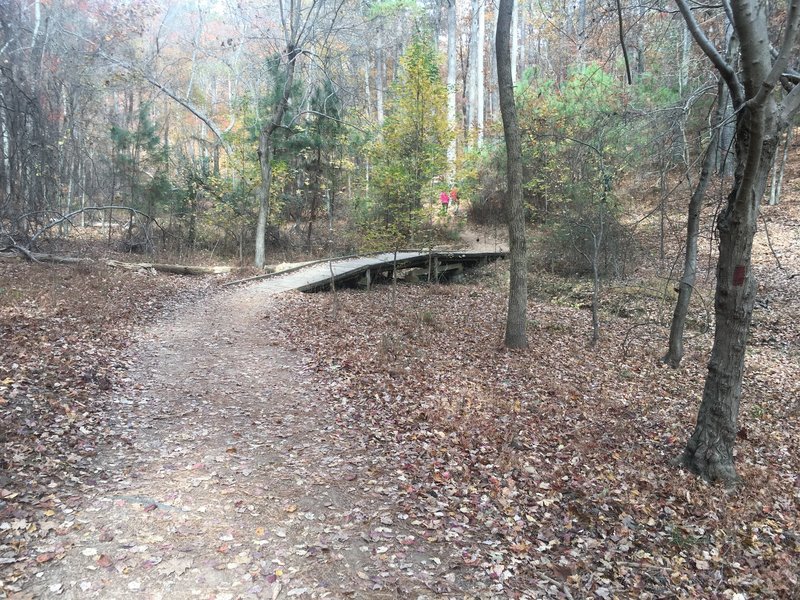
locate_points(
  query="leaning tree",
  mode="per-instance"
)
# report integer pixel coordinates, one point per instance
(766, 95)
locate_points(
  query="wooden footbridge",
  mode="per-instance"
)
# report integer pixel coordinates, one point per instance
(411, 265)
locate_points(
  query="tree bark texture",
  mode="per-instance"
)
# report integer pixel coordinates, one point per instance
(480, 85)
(516, 323)
(451, 86)
(472, 72)
(709, 451)
(759, 120)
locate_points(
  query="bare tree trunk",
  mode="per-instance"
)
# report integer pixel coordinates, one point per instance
(759, 120)
(675, 349)
(685, 56)
(333, 289)
(195, 45)
(314, 200)
(472, 71)
(597, 243)
(451, 86)
(595, 290)
(394, 278)
(494, 99)
(480, 85)
(709, 451)
(516, 335)
(6, 149)
(380, 76)
(726, 159)
(778, 170)
(367, 87)
(514, 42)
(662, 203)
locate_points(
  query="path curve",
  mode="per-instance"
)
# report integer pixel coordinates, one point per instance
(231, 478)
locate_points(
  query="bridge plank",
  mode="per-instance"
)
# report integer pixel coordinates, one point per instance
(317, 276)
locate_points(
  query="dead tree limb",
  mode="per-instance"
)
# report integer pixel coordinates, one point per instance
(165, 268)
(68, 218)
(19, 252)
(22, 253)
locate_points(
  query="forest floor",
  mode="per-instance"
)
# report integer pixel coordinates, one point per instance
(161, 437)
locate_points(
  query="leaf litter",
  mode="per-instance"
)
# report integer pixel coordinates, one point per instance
(546, 472)
(221, 473)
(406, 454)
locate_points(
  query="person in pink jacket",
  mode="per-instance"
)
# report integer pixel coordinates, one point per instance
(444, 197)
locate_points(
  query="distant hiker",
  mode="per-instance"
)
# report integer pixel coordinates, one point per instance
(445, 200)
(454, 195)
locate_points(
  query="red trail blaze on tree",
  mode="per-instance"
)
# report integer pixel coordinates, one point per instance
(738, 275)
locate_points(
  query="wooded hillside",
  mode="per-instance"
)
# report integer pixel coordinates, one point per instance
(610, 412)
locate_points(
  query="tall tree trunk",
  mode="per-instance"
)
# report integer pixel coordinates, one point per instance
(367, 87)
(451, 86)
(779, 169)
(472, 71)
(480, 85)
(709, 451)
(380, 75)
(5, 179)
(314, 200)
(516, 322)
(759, 120)
(726, 159)
(514, 42)
(493, 101)
(685, 56)
(675, 349)
(597, 242)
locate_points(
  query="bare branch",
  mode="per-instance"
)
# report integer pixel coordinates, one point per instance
(323, 115)
(725, 70)
(769, 243)
(187, 104)
(622, 43)
(781, 61)
(68, 219)
(790, 104)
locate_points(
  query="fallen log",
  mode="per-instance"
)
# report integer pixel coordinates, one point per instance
(165, 268)
(69, 260)
(38, 257)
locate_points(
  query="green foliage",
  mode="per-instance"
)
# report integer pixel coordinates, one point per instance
(412, 149)
(316, 150)
(141, 161)
(576, 148)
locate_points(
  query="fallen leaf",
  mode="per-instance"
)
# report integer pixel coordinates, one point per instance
(104, 561)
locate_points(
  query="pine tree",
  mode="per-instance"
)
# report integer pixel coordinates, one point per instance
(412, 149)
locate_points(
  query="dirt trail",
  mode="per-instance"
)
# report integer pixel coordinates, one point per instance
(232, 479)
(484, 238)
